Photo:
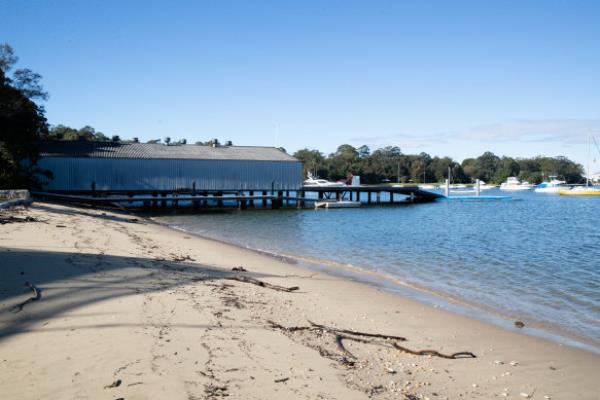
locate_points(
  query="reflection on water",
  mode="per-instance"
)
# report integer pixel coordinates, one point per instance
(538, 257)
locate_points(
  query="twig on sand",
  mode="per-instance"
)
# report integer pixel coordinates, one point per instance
(349, 332)
(12, 219)
(247, 279)
(37, 294)
(340, 344)
(115, 384)
(281, 380)
(453, 356)
(362, 337)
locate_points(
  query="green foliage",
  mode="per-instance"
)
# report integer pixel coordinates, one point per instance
(62, 132)
(22, 123)
(390, 164)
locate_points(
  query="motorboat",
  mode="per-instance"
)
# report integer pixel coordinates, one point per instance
(427, 186)
(513, 184)
(581, 191)
(588, 189)
(554, 186)
(312, 181)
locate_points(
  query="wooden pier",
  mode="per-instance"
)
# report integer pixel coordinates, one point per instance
(242, 199)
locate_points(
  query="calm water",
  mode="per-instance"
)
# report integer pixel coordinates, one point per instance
(535, 258)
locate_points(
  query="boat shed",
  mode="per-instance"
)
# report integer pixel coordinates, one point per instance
(114, 166)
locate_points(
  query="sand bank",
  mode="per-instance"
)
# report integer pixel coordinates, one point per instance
(130, 309)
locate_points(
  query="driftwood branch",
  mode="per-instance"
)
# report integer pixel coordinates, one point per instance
(247, 279)
(453, 356)
(350, 358)
(356, 333)
(37, 294)
(347, 358)
(12, 219)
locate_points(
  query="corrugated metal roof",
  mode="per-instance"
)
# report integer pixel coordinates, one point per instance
(86, 149)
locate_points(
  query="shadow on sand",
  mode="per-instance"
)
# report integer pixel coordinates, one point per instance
(72, 280)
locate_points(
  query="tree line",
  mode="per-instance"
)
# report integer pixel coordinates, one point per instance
(389, 164)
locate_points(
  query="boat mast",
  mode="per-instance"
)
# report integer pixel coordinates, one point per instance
(587, 177)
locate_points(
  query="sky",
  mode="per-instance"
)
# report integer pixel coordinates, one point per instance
(455, 78)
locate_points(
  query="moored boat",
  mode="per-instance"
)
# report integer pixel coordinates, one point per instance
(312, 181)
(581, 191)
(554, 186)
(513, 184)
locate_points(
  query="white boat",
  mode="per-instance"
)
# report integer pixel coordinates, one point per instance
(427, 186)
(312, 181)
(554, 186)
(337, 204)
(513, 184)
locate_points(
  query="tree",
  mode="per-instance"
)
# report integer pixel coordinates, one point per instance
(313, 162)
(364, 151)
(22, 124)
(101, 137)
(486, 166)
(167, 140)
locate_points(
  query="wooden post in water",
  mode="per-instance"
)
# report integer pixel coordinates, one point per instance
(378, 197)
(392, 197)
(264, 199)
(251, 199)
(194, 201)
(163, 203)
(220, 199)
(369, 197)
(287, 198)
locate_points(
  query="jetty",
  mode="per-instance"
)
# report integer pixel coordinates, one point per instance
(242, 199)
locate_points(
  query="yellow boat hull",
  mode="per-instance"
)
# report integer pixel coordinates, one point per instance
(592, 192)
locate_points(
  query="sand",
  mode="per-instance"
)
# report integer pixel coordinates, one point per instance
(134, 310)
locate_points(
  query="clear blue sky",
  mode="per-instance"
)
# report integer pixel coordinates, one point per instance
(447, 77)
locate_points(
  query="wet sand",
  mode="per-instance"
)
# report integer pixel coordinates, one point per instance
(134, 310)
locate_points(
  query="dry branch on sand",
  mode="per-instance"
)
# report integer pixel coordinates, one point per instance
(347, 358)
(247, 279)
(37, 294)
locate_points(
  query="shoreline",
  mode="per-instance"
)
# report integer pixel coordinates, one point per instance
(155, 309)
(425, 295)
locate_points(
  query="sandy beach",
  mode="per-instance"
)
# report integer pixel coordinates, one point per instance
(118, 307)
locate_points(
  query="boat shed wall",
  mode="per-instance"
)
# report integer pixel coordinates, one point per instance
(75, 173)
